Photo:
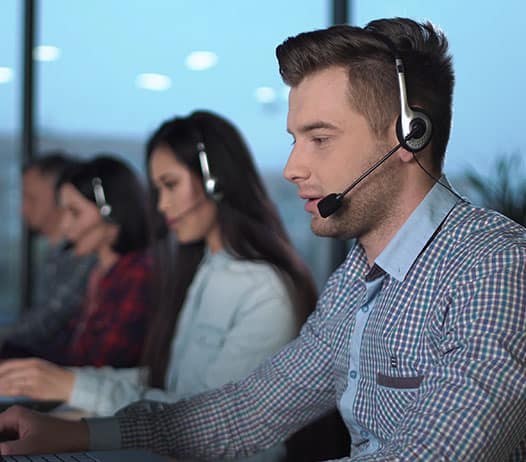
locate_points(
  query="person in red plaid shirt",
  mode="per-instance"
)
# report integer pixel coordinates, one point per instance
(106, 215)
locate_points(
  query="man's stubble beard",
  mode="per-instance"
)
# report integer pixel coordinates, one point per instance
(366, 207)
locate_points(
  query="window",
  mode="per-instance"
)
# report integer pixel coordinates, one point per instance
(109, 75)
(10, 117)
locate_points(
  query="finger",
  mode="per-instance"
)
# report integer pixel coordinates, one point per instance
(11, 388)
(17, 447)
(10, 419)
(14, 364)
(16, 375)
(21, 384)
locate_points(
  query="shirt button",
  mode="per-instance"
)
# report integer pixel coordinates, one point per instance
(365, 308)
(352, 374)
(364, 434)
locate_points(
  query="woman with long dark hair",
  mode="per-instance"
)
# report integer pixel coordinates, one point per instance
(231, 290)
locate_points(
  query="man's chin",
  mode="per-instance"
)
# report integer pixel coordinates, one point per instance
(327, 227)
(321, 228)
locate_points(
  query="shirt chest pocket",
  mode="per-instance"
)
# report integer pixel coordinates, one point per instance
(393, 396)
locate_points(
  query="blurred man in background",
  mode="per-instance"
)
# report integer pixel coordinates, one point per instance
(60, 277)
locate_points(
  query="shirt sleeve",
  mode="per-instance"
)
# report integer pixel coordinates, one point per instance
(283, 394)
(103, 391)
(471, 405)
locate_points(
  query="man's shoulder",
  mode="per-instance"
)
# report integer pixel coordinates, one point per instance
(472, 234)
(471, 225)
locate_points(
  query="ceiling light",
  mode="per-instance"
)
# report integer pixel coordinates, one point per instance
(201, 60)
(46, 53)
(265, 95)
(156, 82)
(6, 74)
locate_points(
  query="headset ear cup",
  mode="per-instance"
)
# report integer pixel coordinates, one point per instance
(213, 189)
(210, 182)
(415, 144)
(105, 213)
(100, 199)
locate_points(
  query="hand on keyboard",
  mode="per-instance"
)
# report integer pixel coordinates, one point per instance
(40, 434)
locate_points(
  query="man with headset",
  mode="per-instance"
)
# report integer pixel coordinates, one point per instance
(419, 338)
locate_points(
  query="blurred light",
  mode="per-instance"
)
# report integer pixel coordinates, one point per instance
(6, 74)
(285, 93)
(265, 95)
(156, 82)
(201, 60)
(46, 53)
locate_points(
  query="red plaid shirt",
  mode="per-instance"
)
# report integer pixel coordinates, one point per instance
(111, 327)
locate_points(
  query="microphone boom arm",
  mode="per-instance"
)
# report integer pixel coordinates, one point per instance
(370, 170)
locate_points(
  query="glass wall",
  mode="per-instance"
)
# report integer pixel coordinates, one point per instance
(10, 117)
(110, 72)
(107, 73)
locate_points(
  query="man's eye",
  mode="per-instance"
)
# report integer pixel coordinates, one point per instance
(319, 140)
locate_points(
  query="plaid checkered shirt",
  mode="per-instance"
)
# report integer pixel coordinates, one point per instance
(441, 371)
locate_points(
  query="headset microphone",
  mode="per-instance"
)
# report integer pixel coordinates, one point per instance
(329, 204)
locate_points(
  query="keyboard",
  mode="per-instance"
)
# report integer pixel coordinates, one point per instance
(70, 457)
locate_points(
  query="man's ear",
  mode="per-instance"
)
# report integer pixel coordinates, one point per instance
(405, 155)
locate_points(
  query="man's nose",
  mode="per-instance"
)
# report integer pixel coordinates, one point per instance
(296, 169)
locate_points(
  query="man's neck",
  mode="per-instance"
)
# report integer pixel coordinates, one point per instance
(377, 239)
(53, 232)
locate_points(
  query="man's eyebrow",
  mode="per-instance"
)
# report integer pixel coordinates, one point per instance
(315, 126)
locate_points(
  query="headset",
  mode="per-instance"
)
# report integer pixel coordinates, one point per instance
(210, 182)
(413, 131)
(100, 198)
(413, 127)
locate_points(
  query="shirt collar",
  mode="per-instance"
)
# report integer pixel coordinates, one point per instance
(402, 251)
(217, 258)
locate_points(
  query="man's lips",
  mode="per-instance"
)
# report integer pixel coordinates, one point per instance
(311, 203)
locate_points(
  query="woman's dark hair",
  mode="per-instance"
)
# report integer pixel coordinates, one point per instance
(249, 224)
(123, 192)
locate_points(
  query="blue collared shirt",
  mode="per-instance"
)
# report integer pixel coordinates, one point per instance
(394, 261)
